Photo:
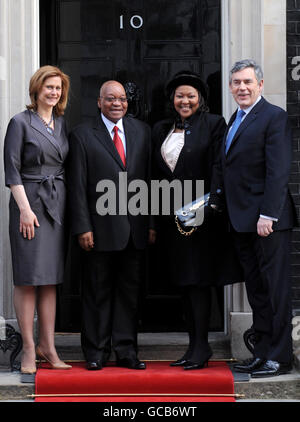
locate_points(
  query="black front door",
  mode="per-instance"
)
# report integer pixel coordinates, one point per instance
(141, 43)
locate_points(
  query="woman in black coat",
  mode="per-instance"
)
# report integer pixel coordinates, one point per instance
(187, 147)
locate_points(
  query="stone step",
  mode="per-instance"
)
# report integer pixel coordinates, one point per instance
(160, 346)
(282, 387)
(152, 346)
(11, 387)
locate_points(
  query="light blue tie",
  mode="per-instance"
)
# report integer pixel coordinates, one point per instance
(234, 128)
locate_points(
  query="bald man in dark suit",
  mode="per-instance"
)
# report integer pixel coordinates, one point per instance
(114, 144)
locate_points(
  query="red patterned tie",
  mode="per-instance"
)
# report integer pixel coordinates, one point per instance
(119, 145)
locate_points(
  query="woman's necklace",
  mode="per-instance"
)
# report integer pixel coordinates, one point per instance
(48, 127)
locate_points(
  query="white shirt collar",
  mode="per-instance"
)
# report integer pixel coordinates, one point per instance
(110, 125)
(247, 110)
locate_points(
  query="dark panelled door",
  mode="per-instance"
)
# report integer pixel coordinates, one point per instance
(142, 44)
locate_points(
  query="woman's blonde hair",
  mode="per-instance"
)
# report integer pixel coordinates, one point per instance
(37, 81)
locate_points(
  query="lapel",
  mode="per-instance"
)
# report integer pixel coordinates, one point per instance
(193, 134)
(130, 136)
(249, 119)
(39, 126)
(104, 137)
(192, 127)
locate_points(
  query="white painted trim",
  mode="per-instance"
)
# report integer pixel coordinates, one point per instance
(225, 58)
(35, 35)
(19, 59)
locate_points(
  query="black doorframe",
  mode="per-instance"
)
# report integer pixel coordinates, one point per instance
(68, 312)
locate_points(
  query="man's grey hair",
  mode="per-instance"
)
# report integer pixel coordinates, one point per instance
(243, 64)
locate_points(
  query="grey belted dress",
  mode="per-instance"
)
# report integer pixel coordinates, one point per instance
(35, 159)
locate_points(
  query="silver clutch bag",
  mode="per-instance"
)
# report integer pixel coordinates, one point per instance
(191, 215)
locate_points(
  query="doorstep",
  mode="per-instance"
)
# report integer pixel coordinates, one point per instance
(152, 346)
(162, 346)
(282, 387)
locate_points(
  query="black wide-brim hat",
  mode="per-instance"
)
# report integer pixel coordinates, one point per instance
(187, 77)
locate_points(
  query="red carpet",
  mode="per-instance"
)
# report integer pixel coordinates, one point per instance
(158, 383)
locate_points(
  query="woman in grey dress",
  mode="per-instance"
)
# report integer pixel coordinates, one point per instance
(35, 149)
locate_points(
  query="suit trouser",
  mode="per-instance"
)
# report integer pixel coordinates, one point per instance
(265, 261)
(110, 293)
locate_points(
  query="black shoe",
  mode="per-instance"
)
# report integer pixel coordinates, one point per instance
(195, 365)
(249, 365)
(131, 363)
(94, 366)
(271, 368)
(179, 362)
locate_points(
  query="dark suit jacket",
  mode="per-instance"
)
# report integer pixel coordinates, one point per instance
(254, 174)
(93, 158)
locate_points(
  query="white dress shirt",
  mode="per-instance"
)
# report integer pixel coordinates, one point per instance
(110, 127)
(246, 110)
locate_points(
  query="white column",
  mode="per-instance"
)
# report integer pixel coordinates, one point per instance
(251, 29)
(242, 38)
(275, 89)
(19, 58)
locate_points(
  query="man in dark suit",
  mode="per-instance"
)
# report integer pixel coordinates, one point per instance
(113, 146)
(253, 178)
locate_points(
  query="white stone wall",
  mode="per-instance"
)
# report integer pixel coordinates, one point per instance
(255, 29)
(19, 58)
(275, 56)
(242, 27)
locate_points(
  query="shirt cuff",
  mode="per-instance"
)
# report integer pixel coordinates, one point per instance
(269, 218)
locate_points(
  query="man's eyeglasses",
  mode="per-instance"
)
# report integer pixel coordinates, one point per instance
(113, 99)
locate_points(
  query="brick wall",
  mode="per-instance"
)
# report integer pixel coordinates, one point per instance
(293, 108)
